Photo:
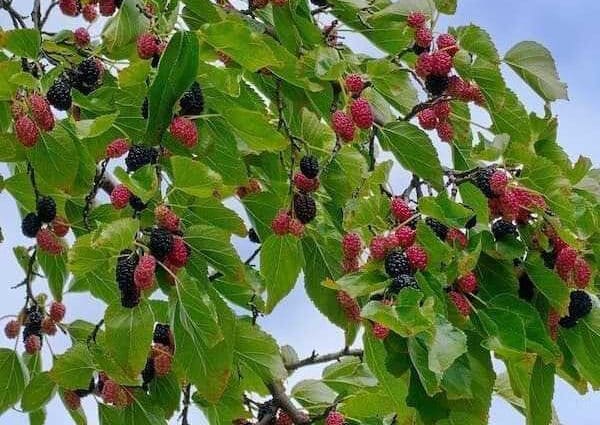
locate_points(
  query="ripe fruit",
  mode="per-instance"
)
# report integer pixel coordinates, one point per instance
(110, 391)
(143, 275)
(416, 19)
(40, 109)
(427, 119)
(350, 265)
(361, 113)
(259, 4)
(12, 328)
(283, 418)
(405, 236)
(417, 257)
(166, 218)
(565, 262)
(467, 283)
(81, 37)
(184, 131)
(72, 400)
(26, 131)
(457, 238)
(60, 226)
(335, 418)
(447, 43)
(119, 197)
(107, 7)
(396, 264)
(179, 252)
(48, 326)
(57, 311)
(309, 165)
(30, 225)
(349, 305)
(567, 322)
(380, 331)
(59, 94)
(89, 12)
(400, 209)
(502, 228)
(161, 242)
(445, 131)
(46, 209)
(460, 302)
(139, 156)
(442, 110)
(582, 273)
(436, 84)
(498, 182)
(580, 304)
(401, 282)
(343, 125)
(305, 208)
(354, 83)
(162, 335)
(33, 344)
(280, 223)
(69, 7)
(192, 101)
(439, 228)
(162, 364)
(117, 148)
(351, 245)
(378, 247)
(295, 227)
(48, 242)
(304, 184)
(423, 37)
(526, 287)
(147, 45)
(423, 65)
(86, 76)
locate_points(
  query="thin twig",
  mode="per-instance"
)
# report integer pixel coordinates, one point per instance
(89, 199)
(186, 404)
(47, 14)
(314, 358)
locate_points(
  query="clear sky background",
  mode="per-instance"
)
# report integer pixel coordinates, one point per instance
(568, 29)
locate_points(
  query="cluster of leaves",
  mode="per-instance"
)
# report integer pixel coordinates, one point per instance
(270, 78)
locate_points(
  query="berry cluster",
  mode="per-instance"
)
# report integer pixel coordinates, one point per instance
(335, 418)
(139, 156)
(352, 246)
(569, 264)
(434, 64)
(89, 10)
(379, 330)
(580, 305)
(458, 293)
(161, 354)
(136, 271)
(307, 180)
(284, 223)
(121, 196)
(46, 226)
(32, 116)
(349, 306)
(150, 46)
(359, 113)
(85, 77)
(112, 393)
(81, 37)
(253, 186)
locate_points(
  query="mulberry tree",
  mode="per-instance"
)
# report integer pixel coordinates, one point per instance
(139, 146)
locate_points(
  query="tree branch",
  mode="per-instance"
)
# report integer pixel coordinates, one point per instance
(281, 400)
(14, 15)
(186, 404)
(47, 13)
(314, 358)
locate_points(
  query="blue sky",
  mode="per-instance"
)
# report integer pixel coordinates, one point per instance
(566, 28)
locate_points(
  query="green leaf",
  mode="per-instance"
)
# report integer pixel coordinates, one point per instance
(393, 83)
(407, 317)
(194, 178)
(55, 270)
(129, 335)
(486, 74)
(280, 264)
(413, 149)
(73, 369)
(117, 235)
(548, 283)
(212, 212)
(476, 40)
(176, 72)
(95, 127)
(259, 352)
(313, 394)
(12, 379)
(142, 183)
(362, 283)
(229, 408)
(207, 368)
(38, 392)
(446, 6)
(445, 210)
(214, 246)
(23, 42)
(329, 65)
(344, 175)
(165, 392)
(535, 65)
(348, 375)
(511, 118)
(121, 30)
